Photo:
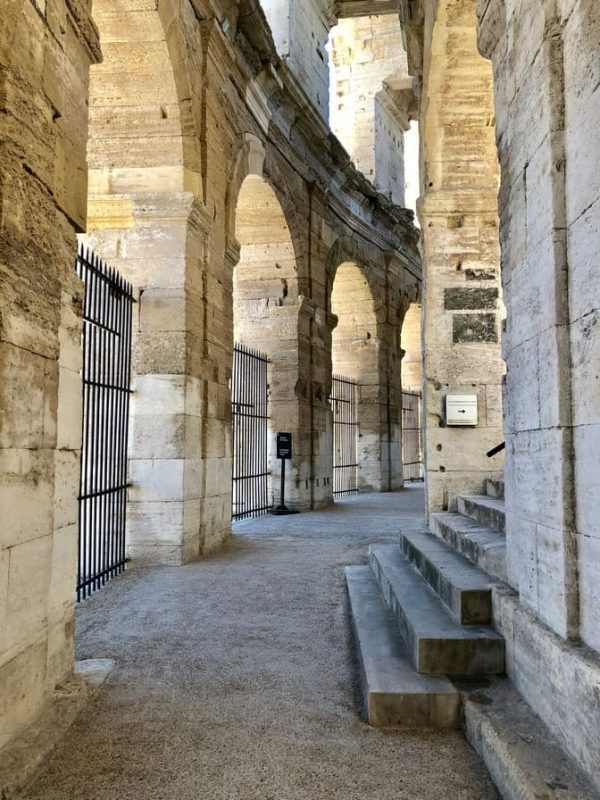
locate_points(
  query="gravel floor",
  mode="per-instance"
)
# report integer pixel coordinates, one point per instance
(235, 678)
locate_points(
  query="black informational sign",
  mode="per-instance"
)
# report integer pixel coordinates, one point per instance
(284, 446)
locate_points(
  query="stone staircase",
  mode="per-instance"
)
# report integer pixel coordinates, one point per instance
(476, 530)
(429, 656)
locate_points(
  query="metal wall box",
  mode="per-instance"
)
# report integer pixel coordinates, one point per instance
(461, 410)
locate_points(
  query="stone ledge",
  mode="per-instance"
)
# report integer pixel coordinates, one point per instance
(559, 680)
(524, 759)
(20, 759)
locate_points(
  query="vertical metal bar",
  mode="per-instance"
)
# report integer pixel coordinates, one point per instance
(249, 390)
(128, 344)
(106, 345)
(94, 454)
(114, 425)
(82, 474)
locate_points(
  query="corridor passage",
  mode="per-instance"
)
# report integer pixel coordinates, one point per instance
(235, 678)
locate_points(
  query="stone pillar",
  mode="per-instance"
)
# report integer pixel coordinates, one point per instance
(550, 222)
(175, 467)
(458, 213)
(45, 55)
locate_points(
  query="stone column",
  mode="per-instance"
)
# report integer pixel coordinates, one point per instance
(175, 465)
(549, 232)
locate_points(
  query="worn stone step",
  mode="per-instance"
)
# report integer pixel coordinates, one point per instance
(488, 511)
(437, 644)
(494, 488)
(464, 588)
(395, 695)
(484, 547)
(524, 759)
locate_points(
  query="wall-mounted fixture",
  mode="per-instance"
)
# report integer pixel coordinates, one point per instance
(461, 409)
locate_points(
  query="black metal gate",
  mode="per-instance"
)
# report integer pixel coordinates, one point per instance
(345, 435)
(107, 315)
(412, 443)
(249, 406)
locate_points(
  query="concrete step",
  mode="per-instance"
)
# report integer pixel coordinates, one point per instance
(395, 695)
(464, 588)
(495, 488)
(437, 644)
(488, 511)
(484, 547)
(524, 759)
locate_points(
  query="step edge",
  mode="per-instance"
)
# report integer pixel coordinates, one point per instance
(435, 600)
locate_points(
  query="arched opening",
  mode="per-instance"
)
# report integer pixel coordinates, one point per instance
(412, 358)
(412, 395)
(265, 320)
(143, 220)
(359, 358)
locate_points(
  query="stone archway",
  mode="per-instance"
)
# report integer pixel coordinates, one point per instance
(410, 341)
(264, 242)
(265, 310)
(145, 218)
(364, 349)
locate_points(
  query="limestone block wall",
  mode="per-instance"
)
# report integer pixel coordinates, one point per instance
(45, 52)
(545, 61)
(462, 305)
(545, 64)
(389, 151)
(300, 31)
(365, 51)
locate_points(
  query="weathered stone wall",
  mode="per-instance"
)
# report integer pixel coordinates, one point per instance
(45, 52)
(183, 108)
(367, 60)
(300, 31)
(545, 59)
(459, 219)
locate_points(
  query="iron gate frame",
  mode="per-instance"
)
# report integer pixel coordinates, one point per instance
(250, 433)
(412, 435)
(344, 407)
(106, 382)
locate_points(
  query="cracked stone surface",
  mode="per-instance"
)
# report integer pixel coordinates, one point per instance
(235, 678)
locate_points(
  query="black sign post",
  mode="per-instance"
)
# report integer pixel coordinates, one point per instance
(284, 453)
